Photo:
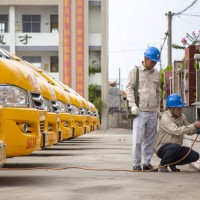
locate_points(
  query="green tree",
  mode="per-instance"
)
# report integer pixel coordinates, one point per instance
(95, 96)
(168, 68)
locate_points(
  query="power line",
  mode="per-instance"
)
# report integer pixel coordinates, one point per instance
(170, 15)
(189, 22)
(192, 15)
(161, 48)
(134, 44)
(124, 51)
(179, 13)
(121, 51)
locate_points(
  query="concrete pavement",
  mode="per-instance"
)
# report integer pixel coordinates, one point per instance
(98, 150)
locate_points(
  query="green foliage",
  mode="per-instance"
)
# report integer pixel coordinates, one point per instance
(94, 70)
(196, 65)
(168, 68)
(175, 46)
(94, 92)
(98, 104)
(95, 97)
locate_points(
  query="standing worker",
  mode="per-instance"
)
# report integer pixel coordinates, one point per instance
(145, 122)
(172, 128)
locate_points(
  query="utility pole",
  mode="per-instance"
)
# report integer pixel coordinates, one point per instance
(119, 91)
(119, 111)
(169, 14)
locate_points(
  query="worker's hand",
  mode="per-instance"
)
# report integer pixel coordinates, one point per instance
(197, 124)
(135, 110)
(159, 114)
(198, 131)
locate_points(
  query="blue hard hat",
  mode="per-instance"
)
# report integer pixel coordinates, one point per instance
(174, 101)
(152, 53)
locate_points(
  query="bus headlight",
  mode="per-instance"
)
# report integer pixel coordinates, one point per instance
(75, 110)
(62, 107)
(12, 96)
(47, 106)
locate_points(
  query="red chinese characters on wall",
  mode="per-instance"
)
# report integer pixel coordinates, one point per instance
(67, 43)
(80, 47)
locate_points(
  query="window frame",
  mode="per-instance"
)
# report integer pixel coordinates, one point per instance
(53, 62)
(53, 22)
(32, 25)
(4, 21)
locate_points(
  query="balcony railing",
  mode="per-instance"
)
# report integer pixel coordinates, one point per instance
(30, 39)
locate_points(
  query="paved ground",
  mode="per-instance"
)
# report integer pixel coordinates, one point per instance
(98, 150)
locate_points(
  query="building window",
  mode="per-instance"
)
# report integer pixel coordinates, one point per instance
(54, 23)
(31, 23)
(35, 60)
(3, 23)
(54, 63)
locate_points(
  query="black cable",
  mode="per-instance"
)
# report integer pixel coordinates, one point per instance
(179, 13)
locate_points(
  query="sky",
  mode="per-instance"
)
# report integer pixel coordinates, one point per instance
(136, 24)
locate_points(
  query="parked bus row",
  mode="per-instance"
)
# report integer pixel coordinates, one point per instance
(37, 111)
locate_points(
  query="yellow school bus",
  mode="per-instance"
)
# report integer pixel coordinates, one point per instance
(79, 118)
(22, 114)
(2, 153)
(2, 144)
(85, 108)
(61, 106)
(95, 117)
(64, 109)
(88, 109)
(52, 134)
(76, 122)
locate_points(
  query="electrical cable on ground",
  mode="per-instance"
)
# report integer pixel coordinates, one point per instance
(103, 169)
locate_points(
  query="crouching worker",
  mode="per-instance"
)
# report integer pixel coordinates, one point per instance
(172, 128)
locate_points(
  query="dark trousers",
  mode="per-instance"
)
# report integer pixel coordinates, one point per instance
(170, 153)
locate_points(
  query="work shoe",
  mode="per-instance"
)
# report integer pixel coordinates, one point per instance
(138, 168)
(163, 169)
(149, 167)
(174, 169)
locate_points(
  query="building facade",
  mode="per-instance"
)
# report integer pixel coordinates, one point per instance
(62, 37)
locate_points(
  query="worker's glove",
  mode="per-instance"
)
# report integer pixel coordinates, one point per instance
(198, 131)
(135, 110)
(158, 114)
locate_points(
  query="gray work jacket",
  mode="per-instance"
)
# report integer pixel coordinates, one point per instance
(172, 130)
(148, 89)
